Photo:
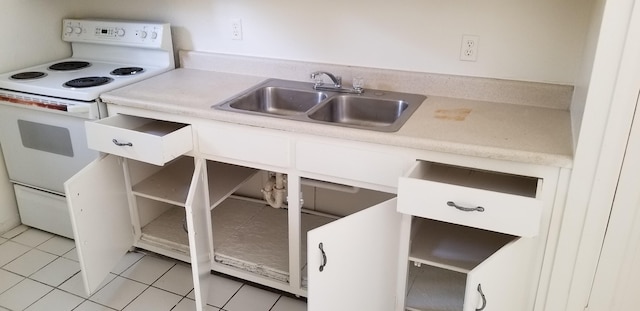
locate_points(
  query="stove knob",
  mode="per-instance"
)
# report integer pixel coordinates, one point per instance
(120, 32)
(77, 30)
(154, 35)
(68, 30)
(143, 34)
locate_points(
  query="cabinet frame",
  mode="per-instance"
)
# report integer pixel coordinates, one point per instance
(199, 198)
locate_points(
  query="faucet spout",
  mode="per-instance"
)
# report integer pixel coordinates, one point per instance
(337, 83)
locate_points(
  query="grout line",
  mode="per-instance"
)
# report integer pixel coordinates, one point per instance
(234, 294)
(84, 300)
(275, 303)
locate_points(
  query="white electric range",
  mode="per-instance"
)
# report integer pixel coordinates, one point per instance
(43, 108)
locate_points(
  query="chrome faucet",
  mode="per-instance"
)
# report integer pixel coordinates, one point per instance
(318, 83)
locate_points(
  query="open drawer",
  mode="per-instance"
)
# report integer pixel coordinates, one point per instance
(482, 199)
(454, 267)
(147, 140)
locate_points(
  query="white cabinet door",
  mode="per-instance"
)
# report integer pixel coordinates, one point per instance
(356, 269)
(504, 279)
(198, 218)
(99, 208)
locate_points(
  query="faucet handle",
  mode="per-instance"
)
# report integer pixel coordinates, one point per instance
(317, 78)
(358, 83)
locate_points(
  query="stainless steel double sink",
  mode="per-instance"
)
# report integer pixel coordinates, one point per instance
(293, 100)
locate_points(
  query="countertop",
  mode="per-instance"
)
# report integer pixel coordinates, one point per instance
(503, 131)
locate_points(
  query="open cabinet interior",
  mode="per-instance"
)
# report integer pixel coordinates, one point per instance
(440, 259)
(160, 193)
(248, 235)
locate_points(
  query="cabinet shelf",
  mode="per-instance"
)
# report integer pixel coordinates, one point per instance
(171, 184)
(253, 237)
(435, 289)
(453, 247)
(166, 234)
(248, 236)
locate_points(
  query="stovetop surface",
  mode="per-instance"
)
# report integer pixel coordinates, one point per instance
(52, 83)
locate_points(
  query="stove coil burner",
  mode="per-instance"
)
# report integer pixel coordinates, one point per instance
(87, 82)
(28, 75)
(70, 65)
(127, 71)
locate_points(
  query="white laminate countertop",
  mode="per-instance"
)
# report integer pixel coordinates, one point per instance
(500, 131)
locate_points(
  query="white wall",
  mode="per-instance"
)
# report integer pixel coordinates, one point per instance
(523, 40)
(30, 32)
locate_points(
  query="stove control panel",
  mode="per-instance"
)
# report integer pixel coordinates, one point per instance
(115, 32)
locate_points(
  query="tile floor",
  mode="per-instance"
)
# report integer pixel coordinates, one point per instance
(39, 271)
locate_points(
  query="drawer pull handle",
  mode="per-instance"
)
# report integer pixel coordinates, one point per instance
(484, 299)
(466, 209)
(115, 141)
(324, 258)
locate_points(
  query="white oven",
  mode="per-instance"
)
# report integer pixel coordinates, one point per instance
(42, 149)
(43, 109)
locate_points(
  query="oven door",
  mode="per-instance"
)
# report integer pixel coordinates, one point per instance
(42, 148)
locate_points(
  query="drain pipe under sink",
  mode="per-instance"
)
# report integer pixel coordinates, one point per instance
(274, 190)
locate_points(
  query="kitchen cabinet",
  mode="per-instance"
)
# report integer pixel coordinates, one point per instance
(411, 261)
(148, 206)
(179, 204)
(353, 265)
(468, 268)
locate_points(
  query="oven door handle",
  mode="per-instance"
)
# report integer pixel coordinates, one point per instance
(115, 141)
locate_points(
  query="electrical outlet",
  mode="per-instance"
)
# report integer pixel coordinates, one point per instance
(236, 29)
(469, 48)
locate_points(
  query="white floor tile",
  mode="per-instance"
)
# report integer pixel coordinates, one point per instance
(15, 231)
(154, 299)
(56, 272)
(89, 305)
(72, 254)
(32, 237)
(56, 300)
(8, 279)
(250, 298)
(289, 304)
(10, 251)
(30, 262)
(2, 240)
(129, 259)
(23, 294)
(220, 290)
(148, 269)
(177, 280)
(187, 304)
(118, 293)
(75, 286)
(57, 245)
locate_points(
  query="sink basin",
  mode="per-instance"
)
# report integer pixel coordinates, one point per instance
(374, 110)
(360, 111)
(282, 99)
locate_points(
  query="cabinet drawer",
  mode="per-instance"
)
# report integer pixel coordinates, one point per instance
(471, 197)
(355, 163)
(455, 267)
(244, 144)
(148, 140)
